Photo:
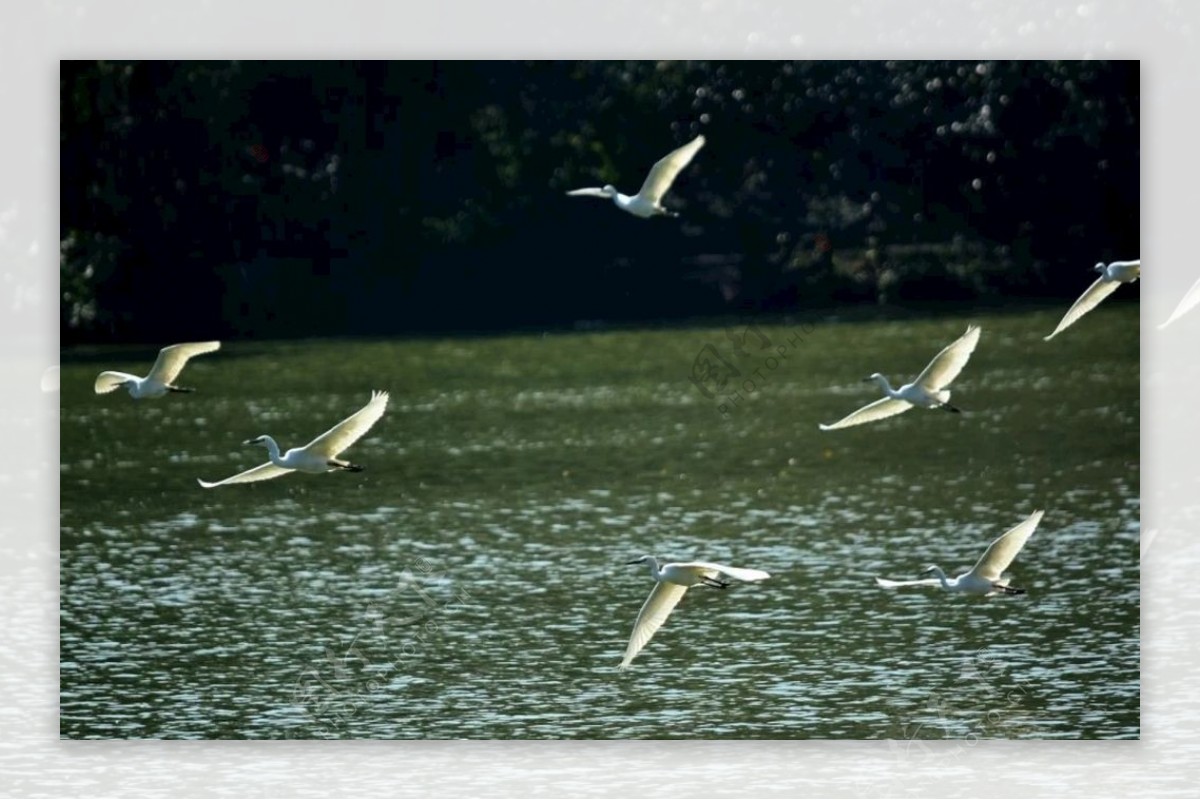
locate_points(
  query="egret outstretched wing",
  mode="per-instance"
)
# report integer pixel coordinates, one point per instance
(349, 430)
(263, 472)
(111, 380)
(658, 606)
(664, 171)
(171, 359)
(1001, 552)
(880, 409)
(886, 584)
(1188, 302)
(737, 573)
(592, 191)
(947, 364)
(1099, 290)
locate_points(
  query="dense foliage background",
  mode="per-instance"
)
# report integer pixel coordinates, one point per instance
(321, 198)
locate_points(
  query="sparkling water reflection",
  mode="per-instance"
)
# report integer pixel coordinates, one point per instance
(471, 583)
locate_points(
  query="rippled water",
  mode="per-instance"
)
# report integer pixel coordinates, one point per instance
(472, 581)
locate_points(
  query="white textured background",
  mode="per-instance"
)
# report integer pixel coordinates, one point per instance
(34, 36)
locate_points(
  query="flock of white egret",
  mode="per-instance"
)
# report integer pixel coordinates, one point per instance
(671, 581)
(648, 201)
(319, 455)
(1111, 276)
(930, 389)
(985, 577)
(170, 362)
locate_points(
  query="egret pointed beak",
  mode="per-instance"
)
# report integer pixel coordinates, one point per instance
(867, 379)
(928, 570)
(635, 561)
(250, 441)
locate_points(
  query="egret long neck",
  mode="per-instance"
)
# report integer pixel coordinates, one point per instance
(941, 576)
(655, 572)
(272, 449)
(883, 384)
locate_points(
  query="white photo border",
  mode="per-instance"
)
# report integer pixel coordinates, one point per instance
(33, 39)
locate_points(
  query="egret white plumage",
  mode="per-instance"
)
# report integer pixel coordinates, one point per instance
(928, 390)
(319, 455)
(648, 201)
(170, 362)
(671, 582)
(1188, 302)
(985, 577)
(1111, 276)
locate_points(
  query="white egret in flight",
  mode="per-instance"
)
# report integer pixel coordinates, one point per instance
(927, 391)
(319, 455)
(167, 366)
(1111, 277)
(1188, 302)
(985, 577)
(672, 580)
(648, 201)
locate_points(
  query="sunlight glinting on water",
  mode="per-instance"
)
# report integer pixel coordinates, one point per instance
(472, 582)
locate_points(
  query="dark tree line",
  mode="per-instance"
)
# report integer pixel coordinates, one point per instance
(317, 198)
